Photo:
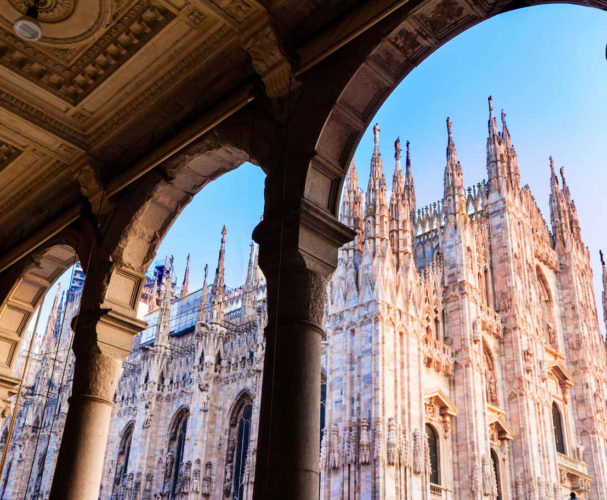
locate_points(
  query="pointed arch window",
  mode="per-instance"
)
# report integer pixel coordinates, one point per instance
(433, 450)
(124, 452)
(175, 453)
(239, 436)
(323, 404)
(557, 425)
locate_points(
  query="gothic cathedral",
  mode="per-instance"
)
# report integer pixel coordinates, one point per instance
(463, 358)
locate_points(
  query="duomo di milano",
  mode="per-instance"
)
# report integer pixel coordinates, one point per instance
(462, 359)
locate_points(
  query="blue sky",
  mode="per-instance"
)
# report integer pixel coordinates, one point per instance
(544, 65)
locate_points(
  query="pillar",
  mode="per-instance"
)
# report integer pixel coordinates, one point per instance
(103, 338)
(297, 253)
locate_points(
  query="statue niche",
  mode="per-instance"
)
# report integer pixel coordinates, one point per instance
(490, 377)
(547, 310)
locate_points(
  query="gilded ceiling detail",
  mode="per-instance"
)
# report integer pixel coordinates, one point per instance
(8, 153)
(73, 82)
(49, 11)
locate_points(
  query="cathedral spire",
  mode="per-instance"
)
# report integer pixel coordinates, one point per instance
(202, 312)
(604, 293)
(218, 284)
(398, 180)
(376, 209)
(352, 207)
(451, 151)
(164, 315)
(252, 265)
(505, 133)
(186, 278)
(409, 185)
(493, 134)
(376, 163)
(51, 323)
(454, 192)
(400, 223)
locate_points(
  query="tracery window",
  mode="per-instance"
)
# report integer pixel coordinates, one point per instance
(124, 452)
(239, 435)
(557, 425)
(433, 454)
(173, 471)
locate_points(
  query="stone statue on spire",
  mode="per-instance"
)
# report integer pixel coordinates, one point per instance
(376, 133)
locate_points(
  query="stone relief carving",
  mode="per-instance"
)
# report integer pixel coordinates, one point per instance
(206, 480)
(476, 478)
(392, 443)
(334, 448)
(365, 443)
(417, 451)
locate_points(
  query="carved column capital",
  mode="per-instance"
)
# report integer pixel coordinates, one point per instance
(96, 376)
(8, 388)
(305, 237)
(268, 59)
(102, 342)
(298, 253)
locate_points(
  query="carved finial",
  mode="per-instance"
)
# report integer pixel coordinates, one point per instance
(503, 118)
(376, 133)
(397, 149)
(562, 172)
(449, 129)
(602, 257)
(551, 164)
(408, 150)
(490, 105)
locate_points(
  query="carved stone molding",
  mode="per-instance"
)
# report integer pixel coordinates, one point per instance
(269, 61)
(73, 82)
(8, 154)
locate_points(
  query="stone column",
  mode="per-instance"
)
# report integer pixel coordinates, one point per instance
(102, 340)
(297, 253)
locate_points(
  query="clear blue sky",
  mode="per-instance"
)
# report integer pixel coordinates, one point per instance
(544, 65)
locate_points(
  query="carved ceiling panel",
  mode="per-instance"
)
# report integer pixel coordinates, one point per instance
(72, 67)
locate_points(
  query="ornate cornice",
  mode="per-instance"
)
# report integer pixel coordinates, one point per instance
(41, 119)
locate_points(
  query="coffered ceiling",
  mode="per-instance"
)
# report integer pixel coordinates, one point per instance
(111, 78)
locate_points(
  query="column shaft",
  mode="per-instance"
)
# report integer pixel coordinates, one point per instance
(80, 461)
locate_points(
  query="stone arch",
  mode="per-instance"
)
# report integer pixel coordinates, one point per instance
(22, 289)
(367, 70)
(150, 207)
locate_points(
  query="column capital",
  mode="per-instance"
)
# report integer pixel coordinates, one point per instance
(110, 331)
(8, 388)
(304, 237)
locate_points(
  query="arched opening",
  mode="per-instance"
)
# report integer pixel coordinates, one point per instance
(323, 404)
(239, 436)
(557, 427)
(496, 471)
(433, 455)
(122, 458)
(175, 453)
